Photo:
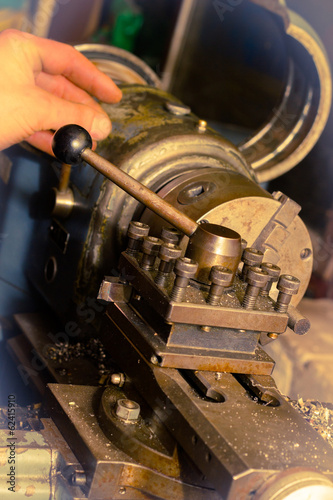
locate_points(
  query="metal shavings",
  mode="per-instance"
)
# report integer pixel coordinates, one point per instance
(92, 349)
(24, 417)
(319, 416)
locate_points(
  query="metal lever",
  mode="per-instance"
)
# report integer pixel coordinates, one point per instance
(72, 144)
(209, 245)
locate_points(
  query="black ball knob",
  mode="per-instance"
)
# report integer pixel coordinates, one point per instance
(69, 142)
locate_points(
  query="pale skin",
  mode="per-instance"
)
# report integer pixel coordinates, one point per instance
(46, 84)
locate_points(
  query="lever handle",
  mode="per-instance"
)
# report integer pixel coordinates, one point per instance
(72, 144)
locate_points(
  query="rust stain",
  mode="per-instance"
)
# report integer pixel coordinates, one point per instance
(30, 491)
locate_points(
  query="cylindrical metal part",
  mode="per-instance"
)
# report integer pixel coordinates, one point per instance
(170, 235)
(214, 245)
(136, 232)
(63, 203)
(274, 273)
(297, 322)
(185, 269)
(256, 279)
(150, 248)
(221, 277)
(288, 286)
(168, 254)
(251, 257)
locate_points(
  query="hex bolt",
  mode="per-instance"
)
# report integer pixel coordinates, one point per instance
(170, 235)
(274, 273)
(221, 277)
(150, 249)
(136, 232)
(168, 254)
(256, 279)
(288, 286)
(185, 269)
(127, 410)
(251, 257)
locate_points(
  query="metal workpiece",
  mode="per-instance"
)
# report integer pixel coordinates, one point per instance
(150, 248)
(288, 286)
(256, 279)
(63, 203)
(168, 254)
(251, 257)
(214, 245)
(221, 278)
(274, 272)
(135, 233)
(184, 269)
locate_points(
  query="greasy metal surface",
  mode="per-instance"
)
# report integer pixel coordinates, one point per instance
(125, 321)
(110, 471)
(195, 311)
(236, 442)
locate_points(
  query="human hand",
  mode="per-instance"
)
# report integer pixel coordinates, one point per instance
(46, 84)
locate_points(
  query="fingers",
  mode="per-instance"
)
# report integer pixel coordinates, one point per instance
(61, 87)
(43, 141)
(75, 67)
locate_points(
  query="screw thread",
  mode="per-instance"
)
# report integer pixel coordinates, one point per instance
(281, 308)
(249, 301)
(213, 300)
(177, 293)
(161, 278)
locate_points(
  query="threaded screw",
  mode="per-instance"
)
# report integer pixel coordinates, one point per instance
(256, 279)
(288, 286)
(150, 249)
(185, 269)
(168, 254)
(274, 272)
(136, 232)
(221, 277)
(251, 257)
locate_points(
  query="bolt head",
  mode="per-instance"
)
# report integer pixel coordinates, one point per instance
(169, 251)
(186, 267)
(220, 275)
(170, 235)
(273, 270)
(252, 256)
(257, 277)
(177, 109)
(288, 284)
(137, 230)
(151, 245)
(127, 410)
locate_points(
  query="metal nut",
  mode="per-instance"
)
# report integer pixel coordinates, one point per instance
(127, 410)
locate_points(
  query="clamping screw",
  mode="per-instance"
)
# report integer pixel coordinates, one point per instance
(256, 279)
(274, 272)
(168, 254)
(251, 257)
(185, 269)
(221, 277)
(150, 248)
(170, 235)
(136, 232)
(287, 286)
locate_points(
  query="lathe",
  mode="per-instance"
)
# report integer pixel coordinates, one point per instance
(168, 268)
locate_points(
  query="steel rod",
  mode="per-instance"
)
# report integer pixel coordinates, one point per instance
(140, 193)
